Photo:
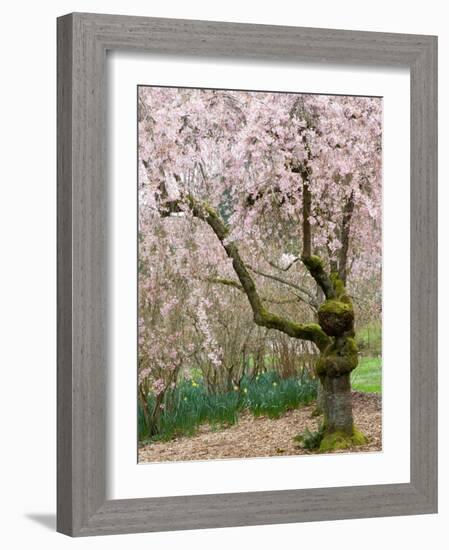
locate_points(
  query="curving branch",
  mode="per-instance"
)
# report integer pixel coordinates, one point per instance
(276, 266)
(297, 298)
(262, 317)
(312, 302)
(222, 281)
(315, 267)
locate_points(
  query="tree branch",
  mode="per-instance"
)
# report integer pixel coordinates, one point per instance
(286, 282)
(314, 264)
(226, 282)
(345, 231)
(306, 208)
(229, 282)
(262, 317)
(276, 266)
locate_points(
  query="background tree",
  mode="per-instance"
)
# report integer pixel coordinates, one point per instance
(270, 197)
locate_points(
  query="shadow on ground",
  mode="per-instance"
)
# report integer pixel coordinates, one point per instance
(46, 520)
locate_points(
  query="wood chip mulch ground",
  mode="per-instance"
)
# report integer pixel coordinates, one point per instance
(264, 437)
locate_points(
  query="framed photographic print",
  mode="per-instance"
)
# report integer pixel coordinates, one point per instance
(246, 274)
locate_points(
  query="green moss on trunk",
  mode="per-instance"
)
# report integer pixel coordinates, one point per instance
(339, 440)
(336, 318)
(340, 357)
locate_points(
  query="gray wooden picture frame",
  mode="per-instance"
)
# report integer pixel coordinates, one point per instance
(83, 40)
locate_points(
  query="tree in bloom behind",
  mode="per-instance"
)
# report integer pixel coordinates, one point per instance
(259, 217)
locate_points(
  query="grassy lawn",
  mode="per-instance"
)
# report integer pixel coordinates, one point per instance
(367, 377)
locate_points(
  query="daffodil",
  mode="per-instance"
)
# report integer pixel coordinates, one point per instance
(245, 390)
(274, 384)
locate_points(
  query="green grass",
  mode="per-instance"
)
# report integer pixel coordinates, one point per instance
(190, 405)
(269, 395)
(367, 377)
(369, 339)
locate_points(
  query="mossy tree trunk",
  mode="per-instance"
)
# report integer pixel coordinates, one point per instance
(336, 403)
(334, 367)
(336, 319)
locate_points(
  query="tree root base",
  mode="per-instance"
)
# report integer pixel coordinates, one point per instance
(340, 440)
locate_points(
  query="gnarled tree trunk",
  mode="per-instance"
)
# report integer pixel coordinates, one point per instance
(336, 403)
(334, 367)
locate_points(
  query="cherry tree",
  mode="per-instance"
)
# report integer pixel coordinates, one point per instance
(262, 194)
